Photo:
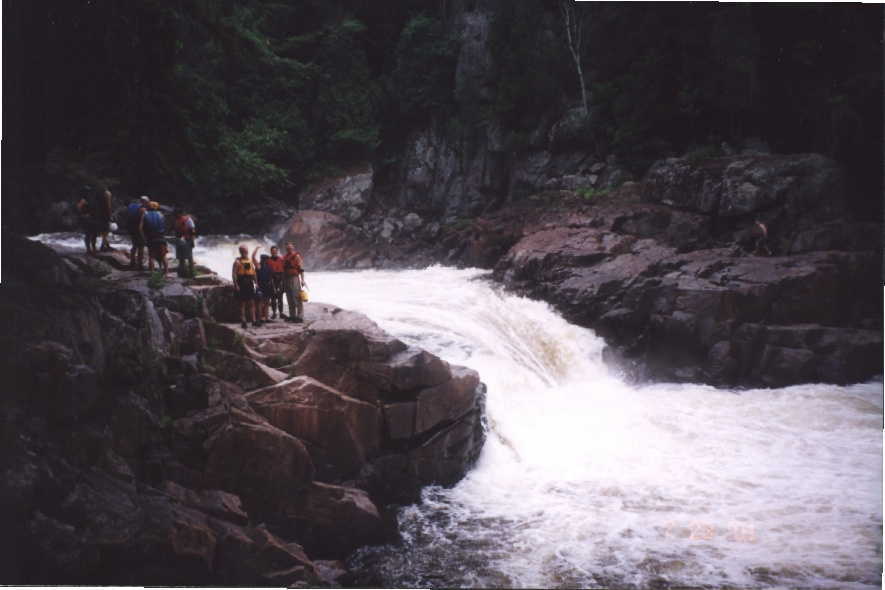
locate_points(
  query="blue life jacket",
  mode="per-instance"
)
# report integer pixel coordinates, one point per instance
(154, 223)
(132, 213)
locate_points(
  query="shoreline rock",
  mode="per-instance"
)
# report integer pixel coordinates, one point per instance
(148, 444)
(673, 270)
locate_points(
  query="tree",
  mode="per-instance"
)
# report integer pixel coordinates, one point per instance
(574, 34)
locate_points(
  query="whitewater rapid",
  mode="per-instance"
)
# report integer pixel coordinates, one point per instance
(586, 481)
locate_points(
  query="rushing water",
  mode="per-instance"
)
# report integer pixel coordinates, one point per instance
(588, 481)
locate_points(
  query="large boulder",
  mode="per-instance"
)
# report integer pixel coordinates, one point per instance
(335, 520)
(327, 241)
(341, 432)
(672, 284)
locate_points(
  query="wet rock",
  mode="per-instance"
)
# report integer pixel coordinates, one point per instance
(259, 462)
(245, 372)
(341, 432)
(335, 520)
(663, 284)
(347, 196)
(327, 241)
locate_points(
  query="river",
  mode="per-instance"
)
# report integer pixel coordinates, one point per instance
(588, 481)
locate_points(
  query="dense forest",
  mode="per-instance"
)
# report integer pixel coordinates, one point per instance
(217, 102)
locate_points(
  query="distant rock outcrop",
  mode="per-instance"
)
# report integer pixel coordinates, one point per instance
(147, 444)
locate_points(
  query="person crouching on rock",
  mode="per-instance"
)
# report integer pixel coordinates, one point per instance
(293, 281)
(153, 225)
(277, 272)
(244, 284)
(265, 285)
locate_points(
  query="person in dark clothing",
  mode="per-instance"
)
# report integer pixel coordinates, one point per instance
(277, 272)
(102, 205)
(153, 227)
(265, 285)
(134, 216)
(86, 215)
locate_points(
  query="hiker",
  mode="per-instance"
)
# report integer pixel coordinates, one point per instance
(185, 231)
(244, 285)
(263, 275)
(293, 281)
(153, 226)
(275, 263)
(134, 216)
(85, 212)
(102, 206)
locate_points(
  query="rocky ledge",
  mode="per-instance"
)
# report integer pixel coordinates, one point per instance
(146, 442)
(667, 270)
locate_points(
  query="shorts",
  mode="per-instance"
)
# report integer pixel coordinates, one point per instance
(157, 249)
(184, 249)
(245, 289)
(265, 291)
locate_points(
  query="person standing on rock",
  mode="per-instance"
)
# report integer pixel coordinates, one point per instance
(102, 206)
(134, 216)
(293, 281)
(244, 277)
(185, 231)
(86, 213)
(153, 226)
(263, 276)
(277, 273)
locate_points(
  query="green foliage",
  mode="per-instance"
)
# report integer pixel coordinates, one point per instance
(156, 280)
(591, 194)
(422, 80)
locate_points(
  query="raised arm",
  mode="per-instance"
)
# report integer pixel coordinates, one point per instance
(254, 259)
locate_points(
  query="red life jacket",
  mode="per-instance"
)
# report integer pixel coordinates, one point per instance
(182, 228)
(292, 264)
(275, 264)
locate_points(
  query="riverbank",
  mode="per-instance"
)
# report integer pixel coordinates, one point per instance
(673, 270)
(148, 442)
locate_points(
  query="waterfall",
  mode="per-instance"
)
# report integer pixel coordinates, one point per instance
(587, 481)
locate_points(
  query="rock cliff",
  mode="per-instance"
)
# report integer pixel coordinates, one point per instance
(147, 442)
(673, 270)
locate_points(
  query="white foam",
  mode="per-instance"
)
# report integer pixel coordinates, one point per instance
(585, 480)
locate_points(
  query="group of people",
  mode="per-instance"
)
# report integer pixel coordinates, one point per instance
(262, 283)
(94, 208)
(146, 224)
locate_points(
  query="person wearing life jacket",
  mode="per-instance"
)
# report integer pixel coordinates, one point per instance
(185, 232)
(265, 285)
(134, 215)
(153, 226)
(244, 277)
(275, 264)
(293, 281)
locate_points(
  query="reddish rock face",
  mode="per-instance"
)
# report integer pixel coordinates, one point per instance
(154, 438)
(336, 518)
(341, 432)
(671, 273)
(260, 462)
(327, 241)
